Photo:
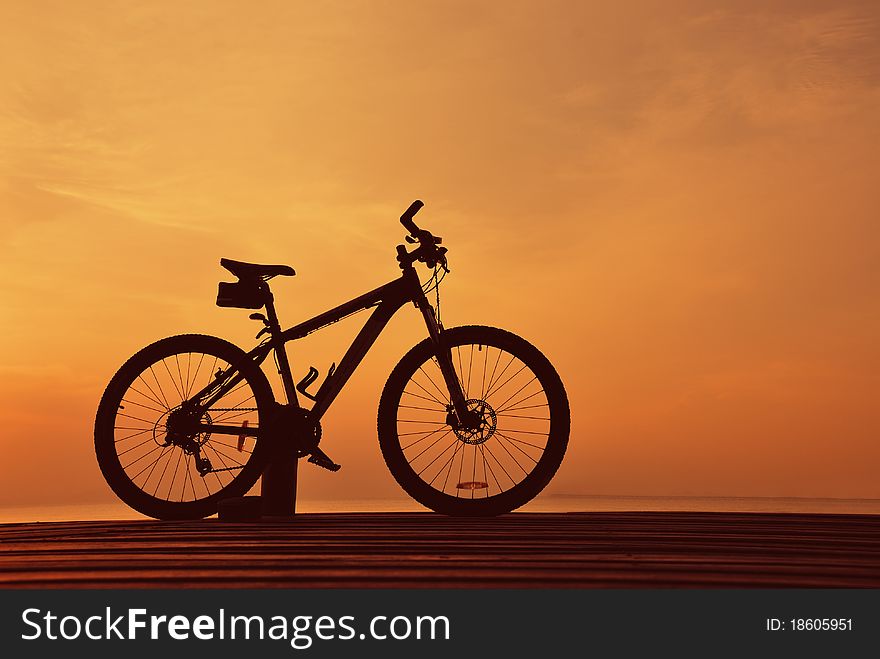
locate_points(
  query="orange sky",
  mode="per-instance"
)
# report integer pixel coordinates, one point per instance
(678, 204)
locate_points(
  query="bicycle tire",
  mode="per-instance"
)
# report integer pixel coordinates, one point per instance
(450, 500)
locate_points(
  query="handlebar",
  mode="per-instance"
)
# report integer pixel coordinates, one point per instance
(407, 218)
(429, 250)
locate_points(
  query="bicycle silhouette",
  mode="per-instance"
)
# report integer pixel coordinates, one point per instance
(473, 420)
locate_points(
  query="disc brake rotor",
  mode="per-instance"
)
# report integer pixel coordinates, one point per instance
(484, 426)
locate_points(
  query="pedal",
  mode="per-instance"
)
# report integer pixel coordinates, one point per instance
(321, 459)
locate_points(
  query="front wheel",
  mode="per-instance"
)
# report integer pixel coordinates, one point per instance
(488, 469)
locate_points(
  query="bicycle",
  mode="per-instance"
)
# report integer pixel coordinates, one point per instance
(473, 420)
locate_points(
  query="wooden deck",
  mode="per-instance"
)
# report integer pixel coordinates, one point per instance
(417, 550)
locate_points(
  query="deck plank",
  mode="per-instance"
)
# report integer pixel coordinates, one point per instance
(419, 550)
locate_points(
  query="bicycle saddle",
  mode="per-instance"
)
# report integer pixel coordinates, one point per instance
(244, 270)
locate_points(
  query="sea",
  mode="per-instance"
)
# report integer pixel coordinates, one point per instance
(542, 504)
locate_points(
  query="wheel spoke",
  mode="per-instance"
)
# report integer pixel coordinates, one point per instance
(507, 450)
(470, 370)
(122, 439)
(136, 460)
(517, 392)
(527, 432)
(489, 451)
(460, 373)
(492, 380)
(433, 432)
(146, 407)
(427, 392)
(174, 476)
(460, 466)
(186, 384)
(212, 371)
(180, 378)
(487, 464)
(454, 443)
(524, 407)
(141, 457)
(128, 450)
(434, 443)
(508, 439)
(433, 423)
(152, 469)
(509, 408)
(474, 472)
(164, 469)
(135, 418)
(431, 380)
(451, 462)
(154, 397)
(492, 376)
(426, 409)
(416, 432)
(520, 441)
(499, 387)
(483, 380)
(185, 477)
(159, 386)
(522, 416)
(174, 384)
(432, 400)
(195, 376)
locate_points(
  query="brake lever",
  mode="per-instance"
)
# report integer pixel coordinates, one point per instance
(442, 260)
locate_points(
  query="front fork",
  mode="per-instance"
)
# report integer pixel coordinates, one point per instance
(444, 360)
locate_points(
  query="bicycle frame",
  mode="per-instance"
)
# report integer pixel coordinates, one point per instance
(387, 300)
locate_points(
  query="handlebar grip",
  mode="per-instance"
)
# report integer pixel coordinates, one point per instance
(407, 218)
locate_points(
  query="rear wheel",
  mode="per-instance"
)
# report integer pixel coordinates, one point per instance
(184, 477)
(499, 463)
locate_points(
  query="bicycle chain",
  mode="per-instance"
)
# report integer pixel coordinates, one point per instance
(214, 471)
